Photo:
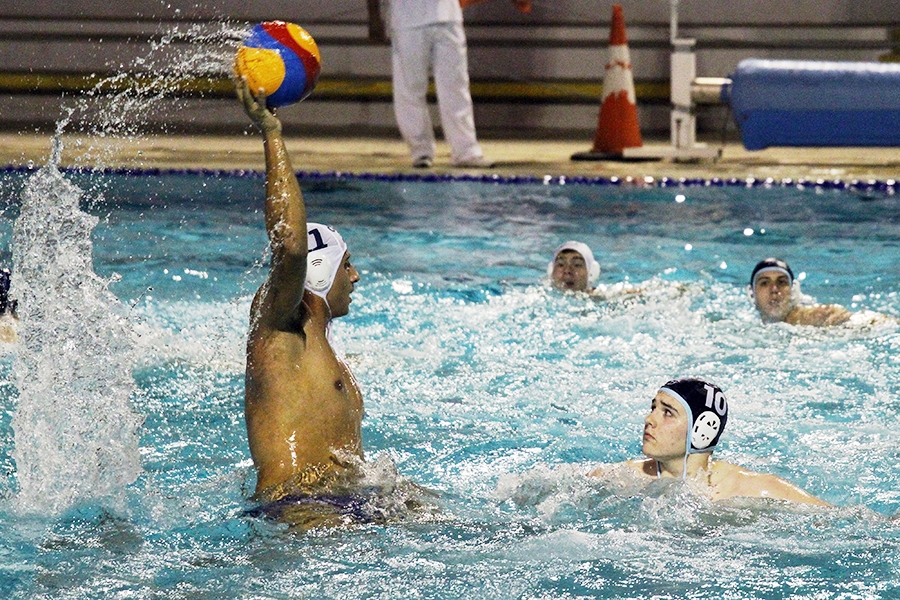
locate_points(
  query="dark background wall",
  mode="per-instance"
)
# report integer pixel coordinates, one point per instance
(531, 74)
(773, 12)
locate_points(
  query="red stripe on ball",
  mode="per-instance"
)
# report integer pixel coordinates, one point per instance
(279, 31)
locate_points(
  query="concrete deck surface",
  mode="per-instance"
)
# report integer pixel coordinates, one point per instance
(537, 157)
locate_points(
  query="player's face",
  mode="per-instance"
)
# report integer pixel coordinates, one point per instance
(570, 272)
(665, 428)
(772, 294)
(339, 295)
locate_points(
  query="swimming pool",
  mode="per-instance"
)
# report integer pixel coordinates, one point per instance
(490, 389)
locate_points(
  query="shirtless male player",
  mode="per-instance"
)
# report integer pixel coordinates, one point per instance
(686, 420)
(775, 296)
(302, 405)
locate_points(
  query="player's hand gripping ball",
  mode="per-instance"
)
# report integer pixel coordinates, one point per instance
(281, 59)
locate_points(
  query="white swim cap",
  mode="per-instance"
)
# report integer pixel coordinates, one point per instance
(581, 248)
(326, 253)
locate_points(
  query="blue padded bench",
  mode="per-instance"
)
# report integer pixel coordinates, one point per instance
(815, 103)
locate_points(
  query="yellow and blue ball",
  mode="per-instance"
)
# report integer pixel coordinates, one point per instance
(281, 59)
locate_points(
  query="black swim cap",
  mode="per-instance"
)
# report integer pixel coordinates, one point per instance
(5, 304)
(771, 264)
(707, 411)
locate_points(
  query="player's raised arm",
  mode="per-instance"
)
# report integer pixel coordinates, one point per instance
(285, 215)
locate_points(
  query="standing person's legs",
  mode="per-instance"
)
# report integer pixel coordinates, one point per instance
(411, 61)
(451, 80)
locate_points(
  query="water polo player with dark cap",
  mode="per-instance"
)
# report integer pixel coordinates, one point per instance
(775, 294)
(8, 317)
(686, 420)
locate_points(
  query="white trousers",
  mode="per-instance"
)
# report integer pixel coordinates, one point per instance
(441, 46)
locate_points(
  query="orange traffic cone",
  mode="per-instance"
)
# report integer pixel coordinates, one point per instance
(617, 124)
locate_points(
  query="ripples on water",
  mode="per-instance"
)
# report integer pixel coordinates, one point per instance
(495, 393)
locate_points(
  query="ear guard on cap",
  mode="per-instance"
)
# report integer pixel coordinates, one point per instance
(318, 273)
(706, 427)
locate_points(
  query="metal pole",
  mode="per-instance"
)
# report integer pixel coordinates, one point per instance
(682, 121)
(673, 21)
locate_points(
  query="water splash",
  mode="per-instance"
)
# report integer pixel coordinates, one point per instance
(122, 107)
(75, 430)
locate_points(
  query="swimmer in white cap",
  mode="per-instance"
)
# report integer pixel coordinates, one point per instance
(776, 296)
(573, 269)
(687, 418)
(302, 405)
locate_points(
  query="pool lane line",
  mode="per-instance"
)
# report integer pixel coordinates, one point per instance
(888, 186)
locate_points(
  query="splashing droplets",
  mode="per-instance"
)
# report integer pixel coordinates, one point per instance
(75, 430)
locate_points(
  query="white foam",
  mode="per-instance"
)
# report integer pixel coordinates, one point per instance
(75, 429)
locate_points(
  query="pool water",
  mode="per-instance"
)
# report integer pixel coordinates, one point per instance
(490, 390)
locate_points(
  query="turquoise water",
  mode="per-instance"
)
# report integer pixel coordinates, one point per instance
(491, 390)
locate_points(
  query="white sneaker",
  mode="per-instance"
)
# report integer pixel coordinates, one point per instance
(476, 162)
(423, 162)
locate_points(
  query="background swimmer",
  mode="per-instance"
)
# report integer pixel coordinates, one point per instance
(573, 269)
(777, 298)
(9, 320)
(686, 420)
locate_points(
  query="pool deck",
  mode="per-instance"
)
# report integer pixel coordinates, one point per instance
(537, 157)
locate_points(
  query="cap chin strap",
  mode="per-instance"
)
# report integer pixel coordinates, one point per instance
(690, 414)
(328, 335)
(319, 280)
(683, 472)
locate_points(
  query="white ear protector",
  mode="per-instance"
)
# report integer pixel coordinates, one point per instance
(705, 429)
(318, 273)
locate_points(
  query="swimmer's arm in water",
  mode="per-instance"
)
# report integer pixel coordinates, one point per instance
(616, 290)
(733, 481)
(820, 315)
(771, 486)
(285, 219)
(727, 481)
(599, 471)
(836, 314)
(9, 329)
(642, 466)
